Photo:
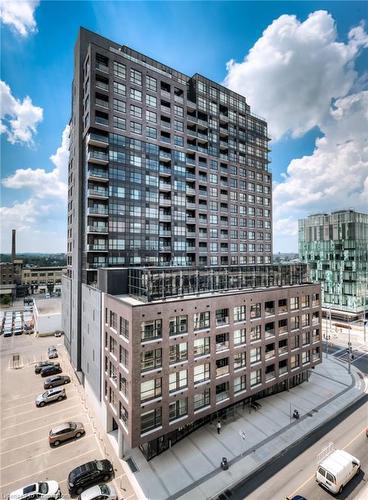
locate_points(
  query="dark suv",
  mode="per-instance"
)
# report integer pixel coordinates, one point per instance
(51, 370)
(89, 474)
(42, 364)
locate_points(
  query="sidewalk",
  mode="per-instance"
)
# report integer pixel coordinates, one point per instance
(191, 468)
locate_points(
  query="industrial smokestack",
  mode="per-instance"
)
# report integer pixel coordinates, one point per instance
(14, 254)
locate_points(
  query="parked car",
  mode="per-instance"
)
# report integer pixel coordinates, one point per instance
(58, 333)
(64, 432)
(336, 470)
(8, 332)
(51, 395)
(18, 330)
(55, 381)
(52, 353)
(42, 490)
(89, 474)
(51, 370)
(42, 364)
(99, 492)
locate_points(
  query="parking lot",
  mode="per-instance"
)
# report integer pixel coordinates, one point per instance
(26, 455)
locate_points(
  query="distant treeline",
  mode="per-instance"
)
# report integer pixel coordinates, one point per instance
(38, 259)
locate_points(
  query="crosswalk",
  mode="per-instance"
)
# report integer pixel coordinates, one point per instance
(357, 353)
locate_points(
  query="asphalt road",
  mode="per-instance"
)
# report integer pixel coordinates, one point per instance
(293, 472)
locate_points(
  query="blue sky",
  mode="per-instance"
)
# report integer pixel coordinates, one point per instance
(192, 37)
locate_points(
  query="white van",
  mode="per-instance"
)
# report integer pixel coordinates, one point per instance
(336, 470)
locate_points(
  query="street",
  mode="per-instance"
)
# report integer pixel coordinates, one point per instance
(293, 473)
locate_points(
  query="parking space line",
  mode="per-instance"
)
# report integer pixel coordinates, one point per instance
(35, 456)
(20, 447)
(32, 411)
(48, 469)
(39, 418)
(33, 430)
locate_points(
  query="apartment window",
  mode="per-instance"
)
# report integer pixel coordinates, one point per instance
(239, 360)
(306, 338)
(113, 346)
(255, 355)
(294, 303)
(150, 389)
(151, 83)
(201, 346)
(283, 305)
(239, 313)
(295, 342)
(151, 419)
(151, 132)
(135, 77)
(294, 322)
(124, 327)
(255, 333)
(178, 353)
(151, 329)
(151, 360)
(135, 111)
(119, 123)
(222, 317)
(239, 336)
(136, 95)
(305, 301)
(222, 367)
(119, 69)
(240, 384)
(255, 311)
(305, 320)
(178, 409)
(202, 399)
(283, 326)
(151, 100)
(123, 384)
(112, 372)
(222, 391)
(178, 325)
(255, 377)
(119, 88)
(113, 320)
(178, 380)
(294, 361)
(201, 373)
(136, 128)
(178, 141)
(118, 105)
(151, 116)
(123, 356)
(123, 414)
(179, 111)
(222, 342)
(201, 320)
(305, 357)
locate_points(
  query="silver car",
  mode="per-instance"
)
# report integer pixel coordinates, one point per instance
(55, 394)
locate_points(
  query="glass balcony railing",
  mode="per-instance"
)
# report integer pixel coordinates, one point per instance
(98, 210)
(282, 370)
(223, 370)
(270, 376)
(97, 229)
(269, 354)
(97, 247)
(92, 172)
(221, 396)
(102, 67)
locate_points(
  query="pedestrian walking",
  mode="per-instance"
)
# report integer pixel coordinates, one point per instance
(218, 427)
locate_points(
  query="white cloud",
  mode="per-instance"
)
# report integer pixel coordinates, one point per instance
(294, 71)
(19, 119)
(45, 204)
(19, 15)
(42, 183)
(333, 177)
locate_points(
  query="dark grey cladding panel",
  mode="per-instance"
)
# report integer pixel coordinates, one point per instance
(113, 281)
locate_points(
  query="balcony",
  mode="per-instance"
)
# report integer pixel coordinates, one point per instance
(102, 85)
(191, 248)
(283, 350)
(222, 371)
(102, 121)
(97, 193)
(269, 333)
(165, 202)
(191, 234)
(283, 329)
(190, 219)
(96, 265)
(222, 346)
(97, 174)
(97, 157)
(283, 369)
(99, 210)
(165, 248)
(221, 396)
(202, 123)
(191, 133)
(165, 170)
(190, 176)
(270, 375)
(165, 217)
(190, 205)
(97, 140)
(97, 229)
(190, 191)
(97, 248)
(190, 161)
(102, 103)
(315, 357)
(165, 156)
(166, 94)
(316, 338)
(102, 67)
(165, 233)
(165, 186)
(270, 354)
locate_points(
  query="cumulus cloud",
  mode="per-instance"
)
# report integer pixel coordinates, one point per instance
(295, 70)
(19, 15)
(19, 119)
(334, 176)
(47, 200)
(45, 184)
